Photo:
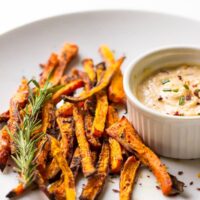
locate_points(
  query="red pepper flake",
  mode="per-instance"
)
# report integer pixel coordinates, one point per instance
(188, 97)
(180, 173)
(160, 98)
(195, 85)
(148, 176)
(198, 189)
(180, 78)
(157, 187)
(115, 190)
(191, 183)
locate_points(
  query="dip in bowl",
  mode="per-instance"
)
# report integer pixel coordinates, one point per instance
(163, 98)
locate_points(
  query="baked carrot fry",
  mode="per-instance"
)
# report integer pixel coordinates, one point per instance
(107, 54)
(88, 66)
(88, 121)
(127, 177)
(4, 148)
(76, 162)
(67, 89)
(116, 158)
(65, 110)
(67, 173)
(57, 190)
(66, 126)
(100, 114)
(103, 84)
(67, 142)
(48, 68)
(89, 105)
(101, 107)
(4, 117)
(96, 182)
(116, 92)
(48, 118)
(17, 102)
(69, 51)
(86, 159)
(125, 134)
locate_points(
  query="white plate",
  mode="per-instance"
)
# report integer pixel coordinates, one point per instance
(127, 32)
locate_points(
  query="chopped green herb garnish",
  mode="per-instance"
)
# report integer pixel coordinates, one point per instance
(167, 90)
(175, 90)
(196, 92)
(165, 81)
(186, 86)
(181, 100)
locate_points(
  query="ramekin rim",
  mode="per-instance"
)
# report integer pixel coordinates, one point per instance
(134, 99)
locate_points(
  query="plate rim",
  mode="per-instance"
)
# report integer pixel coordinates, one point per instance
(94, 11)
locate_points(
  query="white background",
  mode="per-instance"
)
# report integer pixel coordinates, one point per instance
(14, 13)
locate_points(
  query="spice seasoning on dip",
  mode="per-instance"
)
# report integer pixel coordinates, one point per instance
(176, 92)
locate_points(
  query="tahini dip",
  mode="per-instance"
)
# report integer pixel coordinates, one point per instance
(172, 91)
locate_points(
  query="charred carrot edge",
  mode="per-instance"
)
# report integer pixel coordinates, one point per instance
(66, 171)
(16, 191)
(48, 68)
(65, 110)
(86, 159)
(116, 157)
(67, 142)
(125, 134)
(96, 182)
(88, 66)
(4, 117)
(69, 51)
(76, 162)
(127, 177)
(4, 148)
(116, 92)
(94, 157)
(103, 84)
(67, 89)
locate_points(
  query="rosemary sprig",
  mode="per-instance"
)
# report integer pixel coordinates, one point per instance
(24, 139)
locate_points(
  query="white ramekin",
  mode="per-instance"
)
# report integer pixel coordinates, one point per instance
(170, 136)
